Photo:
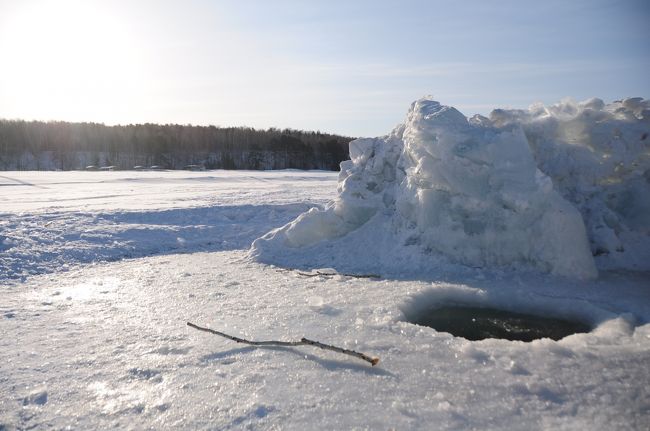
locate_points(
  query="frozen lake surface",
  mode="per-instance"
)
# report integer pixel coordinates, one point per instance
(54, 220)
(100, 271)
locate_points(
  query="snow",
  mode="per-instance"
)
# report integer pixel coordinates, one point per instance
(598, 156)
(96, 290)
(54, 220)
(109, 346)
(543, 189)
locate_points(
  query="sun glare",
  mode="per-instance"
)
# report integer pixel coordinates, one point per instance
(71, 60)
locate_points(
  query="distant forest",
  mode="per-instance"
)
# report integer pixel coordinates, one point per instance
(36, 145)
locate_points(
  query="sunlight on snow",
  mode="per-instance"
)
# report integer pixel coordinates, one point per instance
(91, 289)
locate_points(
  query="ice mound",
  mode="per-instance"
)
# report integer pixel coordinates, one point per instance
(438, 189)
(598, 157)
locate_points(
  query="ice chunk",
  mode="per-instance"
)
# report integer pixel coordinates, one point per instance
(36, 397)
(474, 194)
(598, 156)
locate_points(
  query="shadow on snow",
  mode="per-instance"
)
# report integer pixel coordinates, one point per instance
(43, 243)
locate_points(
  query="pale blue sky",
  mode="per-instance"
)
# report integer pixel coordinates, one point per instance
(350, 67)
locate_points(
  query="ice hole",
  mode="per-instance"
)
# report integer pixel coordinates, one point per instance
(478, 323)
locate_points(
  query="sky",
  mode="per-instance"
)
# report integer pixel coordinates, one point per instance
(348, 67)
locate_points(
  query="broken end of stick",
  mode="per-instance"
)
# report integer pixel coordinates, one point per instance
(374, 361)
(192, 325)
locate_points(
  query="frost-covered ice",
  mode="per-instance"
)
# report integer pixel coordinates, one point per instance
(542, 189)
(107, 346)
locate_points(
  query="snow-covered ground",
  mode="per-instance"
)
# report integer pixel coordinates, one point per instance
(101, 271)
(54, 220)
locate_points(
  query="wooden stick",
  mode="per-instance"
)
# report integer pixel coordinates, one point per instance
(373, 361)
(302, 342)
(326, 274)
(305, 274)
(361, 275)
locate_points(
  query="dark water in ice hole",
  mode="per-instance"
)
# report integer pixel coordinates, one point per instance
(477, 323)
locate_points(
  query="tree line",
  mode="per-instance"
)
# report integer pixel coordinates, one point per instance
(37, 145)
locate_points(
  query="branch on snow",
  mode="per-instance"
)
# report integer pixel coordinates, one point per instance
(328, 274)
(302, 342)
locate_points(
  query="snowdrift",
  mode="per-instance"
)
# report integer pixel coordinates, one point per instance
(543, 189)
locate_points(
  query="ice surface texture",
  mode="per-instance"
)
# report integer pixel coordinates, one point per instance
(515, 190)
